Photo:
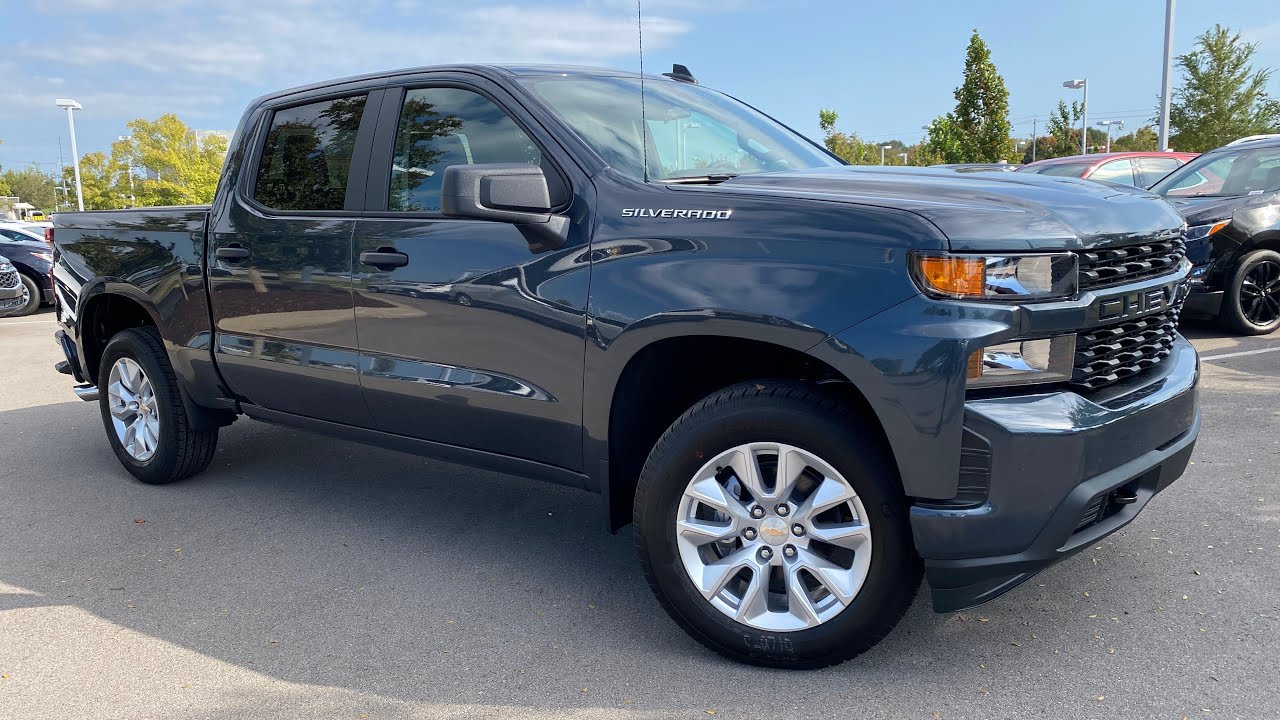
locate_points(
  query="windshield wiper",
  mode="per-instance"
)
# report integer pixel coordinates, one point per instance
(712, 179)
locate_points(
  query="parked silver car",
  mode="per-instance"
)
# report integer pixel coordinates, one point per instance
(13, 294)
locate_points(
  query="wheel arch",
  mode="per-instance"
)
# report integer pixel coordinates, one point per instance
(625, 414)
(103, 312)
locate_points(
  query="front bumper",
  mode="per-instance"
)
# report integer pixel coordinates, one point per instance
(1065, 471)
(1202, 302)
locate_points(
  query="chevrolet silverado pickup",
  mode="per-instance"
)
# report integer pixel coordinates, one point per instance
(806, 384)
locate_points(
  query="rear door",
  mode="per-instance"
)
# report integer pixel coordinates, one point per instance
(280, 260)
(477, 339)
(1152, 169)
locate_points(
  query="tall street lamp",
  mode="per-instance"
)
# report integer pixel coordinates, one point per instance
(72, 106)
(1164, 77)
(1107, 124)
(903, 158)
(1084, 111)
(882, 149)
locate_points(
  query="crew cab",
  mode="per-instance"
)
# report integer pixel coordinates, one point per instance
(805, 384)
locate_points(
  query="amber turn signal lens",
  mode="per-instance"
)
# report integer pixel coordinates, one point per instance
(958, 276)
(973, 369)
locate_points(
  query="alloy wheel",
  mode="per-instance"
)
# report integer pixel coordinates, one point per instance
(134, 410)
(773, 537)
(1260, 293)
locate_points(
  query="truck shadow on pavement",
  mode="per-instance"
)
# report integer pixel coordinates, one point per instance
(323, 562)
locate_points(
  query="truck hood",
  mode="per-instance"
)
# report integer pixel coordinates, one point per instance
(988, 211)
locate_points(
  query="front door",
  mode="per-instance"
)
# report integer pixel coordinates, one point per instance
(475, 339)
(280, 265)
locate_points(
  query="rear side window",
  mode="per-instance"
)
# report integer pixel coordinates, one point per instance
(307, 155)
(444, 126)
(1116, 171)
(1152, 169)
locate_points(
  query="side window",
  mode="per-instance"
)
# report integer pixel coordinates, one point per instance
(307, 155)
(1116, 171)
(1152, 169)
(440, 127)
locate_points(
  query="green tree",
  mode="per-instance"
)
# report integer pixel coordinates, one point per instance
(981, 117)
(1144, 138)
(1063, 134)
(31, 186)
(98, 182)
(1221, 97)
(184, 167)
(946, 141)
(847, 146)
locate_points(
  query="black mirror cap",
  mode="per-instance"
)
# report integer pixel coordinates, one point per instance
(504, 192)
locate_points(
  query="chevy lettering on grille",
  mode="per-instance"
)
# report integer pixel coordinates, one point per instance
(1138, 303)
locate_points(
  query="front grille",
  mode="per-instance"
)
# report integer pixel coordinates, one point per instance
(1111, 353)
(1109, 267)
(8, 279)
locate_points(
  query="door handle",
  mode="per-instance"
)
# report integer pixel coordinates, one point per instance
(384, 258)
(235, 252)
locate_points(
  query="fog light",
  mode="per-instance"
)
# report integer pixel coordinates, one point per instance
(1023, 362)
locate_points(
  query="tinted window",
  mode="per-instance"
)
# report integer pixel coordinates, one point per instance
(1116, 171)
(1152, 169)
(307, 155)
(440, 127)
(1202, 176)
(1059, 169)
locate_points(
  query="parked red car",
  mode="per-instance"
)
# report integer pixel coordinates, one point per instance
(1140, 169)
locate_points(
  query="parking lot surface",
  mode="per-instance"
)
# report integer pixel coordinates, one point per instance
(305, 577)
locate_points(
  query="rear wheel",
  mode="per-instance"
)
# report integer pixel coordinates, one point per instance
(773, 529)
(1252, 303)
(143, 413)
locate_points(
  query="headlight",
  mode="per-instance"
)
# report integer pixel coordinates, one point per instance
(1023, 362)
(5, 266)
(1200, 232)
(996, 277)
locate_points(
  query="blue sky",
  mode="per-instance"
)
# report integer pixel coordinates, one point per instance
(887, 67)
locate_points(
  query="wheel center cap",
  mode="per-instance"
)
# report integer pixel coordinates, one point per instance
(774, 531)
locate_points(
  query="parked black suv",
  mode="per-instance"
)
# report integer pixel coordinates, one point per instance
(1231, 200)
(803, 382)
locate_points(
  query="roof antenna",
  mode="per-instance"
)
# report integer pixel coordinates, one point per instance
(644, 127)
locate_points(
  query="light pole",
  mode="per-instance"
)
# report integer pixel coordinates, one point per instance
(1164, 78)
(1084, 111)
(133, 200)
(1033, 139)
(1107, 124)
(72, 106)
(903, 158)
(882, 149)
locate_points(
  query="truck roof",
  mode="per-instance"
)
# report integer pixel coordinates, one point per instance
(527, 69)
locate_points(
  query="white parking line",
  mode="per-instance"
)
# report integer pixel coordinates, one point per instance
(1239, 354)
(29, 322)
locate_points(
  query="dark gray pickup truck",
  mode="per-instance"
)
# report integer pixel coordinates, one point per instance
(806, 384)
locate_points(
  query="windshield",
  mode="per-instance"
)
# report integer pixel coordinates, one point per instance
(1074, 170)
(692, 131)
(1227, 173)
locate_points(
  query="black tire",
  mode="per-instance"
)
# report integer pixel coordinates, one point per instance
(33, 297)
(803, 416)
(1238, 305)
(181, 452)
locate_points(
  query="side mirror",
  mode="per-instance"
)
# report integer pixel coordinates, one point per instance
(505, 192)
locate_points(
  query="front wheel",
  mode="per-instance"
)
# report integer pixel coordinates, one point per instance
(1252, 302)
(772, 527)
(30, 298)
(142, 411)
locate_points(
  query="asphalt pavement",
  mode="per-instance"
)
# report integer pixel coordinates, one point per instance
(305, 577)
